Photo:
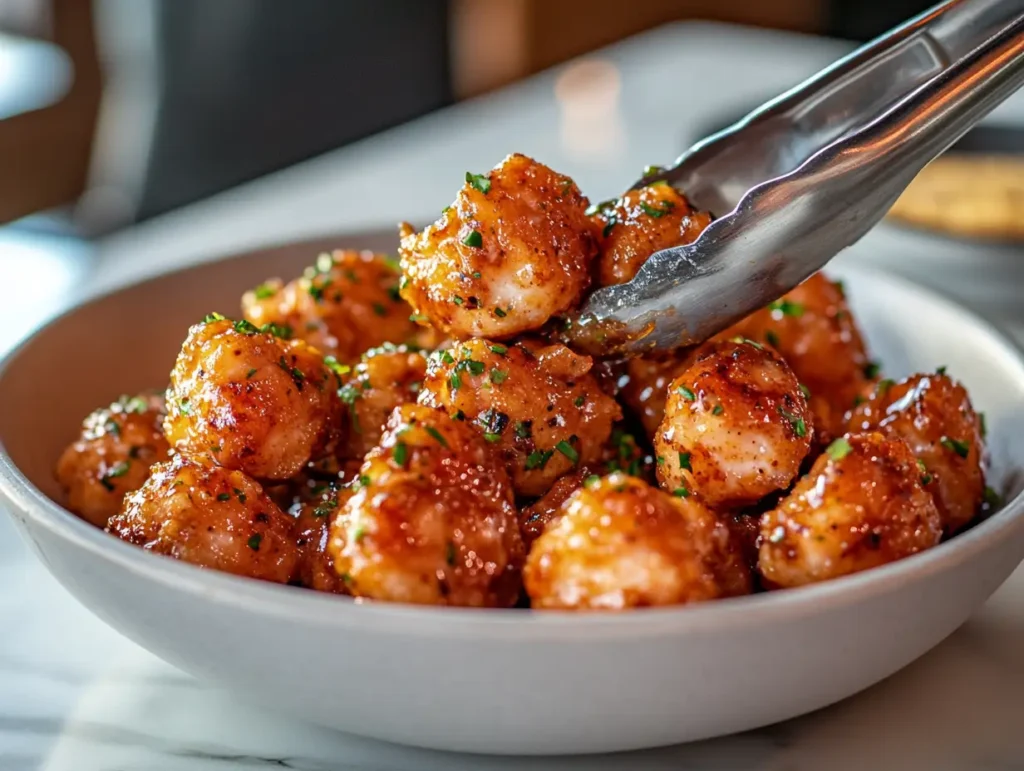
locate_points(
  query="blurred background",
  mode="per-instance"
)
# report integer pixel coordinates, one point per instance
(119, 113)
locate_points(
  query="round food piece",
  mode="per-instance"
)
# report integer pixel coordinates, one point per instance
(433, 521)
(250, 400)
(343, 305)
(384, 378)
(814, 331)
(934, 416)
(862, 505)
(112, 456)
(514, 250)
(736, 427)
(621, 543)
(538, 405)
(641, 223)
(314, 509)
(212, 517)
(645, 390)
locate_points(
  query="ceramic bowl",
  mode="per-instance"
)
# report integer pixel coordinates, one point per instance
(499, 681)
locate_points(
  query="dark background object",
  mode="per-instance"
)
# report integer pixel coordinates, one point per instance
(251, 86)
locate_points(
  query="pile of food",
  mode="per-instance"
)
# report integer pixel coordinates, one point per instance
(415, 432)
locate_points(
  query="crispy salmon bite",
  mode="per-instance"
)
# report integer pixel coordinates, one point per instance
(862, 505)
(538, 405)
(933, 415)
(641, 223)
(736, 427)
(112, 456)
(621, 543)
(512, 251)
(433, 521)
(346, 303)
(250, 400)
(212, 517)
(813, 329)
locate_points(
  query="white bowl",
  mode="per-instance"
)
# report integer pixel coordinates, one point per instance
(501, 681)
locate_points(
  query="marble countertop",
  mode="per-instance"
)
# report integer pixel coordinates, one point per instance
(76, 696)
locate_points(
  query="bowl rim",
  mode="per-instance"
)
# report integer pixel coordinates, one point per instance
(32, 507)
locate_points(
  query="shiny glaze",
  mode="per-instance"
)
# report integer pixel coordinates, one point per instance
(644, 389)
(433, 521)
(112, 455)
(502, 262)
(736, 426)
(934, 416)
(621, 543)
(538, 405)
(852, 512)
(315, 507)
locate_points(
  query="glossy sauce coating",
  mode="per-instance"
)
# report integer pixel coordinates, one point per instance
(736, 426)
(112, 456)
(433, 522)
(514, 250)
(538, 405)
(384, 378)
(934, 416)
(641, 223)
(645, 387)
(251, 401)
(814, 331)
(212, 517)
(862, 505)
(343, 305)
(621, 543)
(314, 509)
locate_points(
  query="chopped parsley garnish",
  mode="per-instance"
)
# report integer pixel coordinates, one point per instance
(538, 459)
(480, 181)
(871, 370)
(437, 436)
(316, 291)
(650, 171)
(684, 461)
(263, 291)
(473, 239)
(401, 454)
(239, 494)
(601, 207)
(359, 533)
(500, 313)
(245, 327)
(250, 373)
(797, 423)
(455, 381)
(254, 542)
(839, 449)
(926, 478)
(982, 426)
(283, 331)
(992, 498)
(492, 438)
(184, 407)
(475, 367)
(804, 390)
(476, 274)
(786, 308)
(418, 317)
(336, 366)
(325, 508)
(960, 448)
(580, 401)
(771, 338)
(941, 370)
(681, 492)
(117, 470)
(457, 300)
(748, 341)
(498, 376)
(209, 318)
(501, 350)
(224, 497)
(884, 385)
(718, 409)
(568, 451)
(686, 393)
(591, 480)
(650, 211)
(524, 428)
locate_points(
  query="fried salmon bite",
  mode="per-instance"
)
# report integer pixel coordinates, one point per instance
(343, 305)
(433, 521)
(862, 505)
(736, 427)
(621, 543)
(538, 405)
(934, 416)
(514, 250)
(212, 517)
(112, 456)
(251, 401)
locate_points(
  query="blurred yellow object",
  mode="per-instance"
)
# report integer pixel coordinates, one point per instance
(973, 196)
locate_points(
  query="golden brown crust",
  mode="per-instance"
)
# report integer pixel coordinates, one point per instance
(538, 405)
(112, 456)
(641, 223)
(251, 401)
(514, 250)
(934, 416)
(645, 390)
(343, 305)
(862, 505)
(814, 331)
(212, 517)
(736, 426)
(433, 522)
(621, 543)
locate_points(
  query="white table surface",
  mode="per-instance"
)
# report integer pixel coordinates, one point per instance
(75, 696)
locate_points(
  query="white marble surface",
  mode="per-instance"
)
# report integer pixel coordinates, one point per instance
(75, 696)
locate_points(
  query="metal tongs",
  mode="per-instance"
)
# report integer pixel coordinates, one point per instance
(810, 172)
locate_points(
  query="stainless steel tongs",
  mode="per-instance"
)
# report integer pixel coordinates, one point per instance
(810, 172)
